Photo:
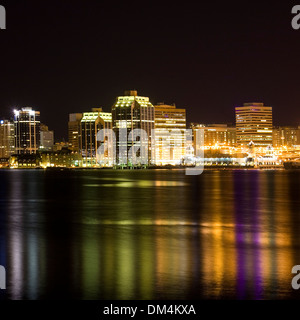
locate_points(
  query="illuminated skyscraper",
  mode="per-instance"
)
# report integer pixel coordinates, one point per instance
(254, 123)
(27, 131)
(7, 138)
(169, 138)
(74, 132)
(91, 124)
(131, 112)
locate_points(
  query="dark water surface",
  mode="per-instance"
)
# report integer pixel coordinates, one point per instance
(150, 234)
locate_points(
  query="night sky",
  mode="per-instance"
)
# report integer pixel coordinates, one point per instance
(65, 56)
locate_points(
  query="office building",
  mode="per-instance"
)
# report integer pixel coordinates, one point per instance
(91, 124)
(169, 145)
(217, 134)
(285, 137)
(254, 123)
(74, 132)
(7, 138)
(46, 140)
(131, 112)
(27, 131)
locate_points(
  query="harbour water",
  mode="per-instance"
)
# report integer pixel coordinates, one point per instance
(149, 234)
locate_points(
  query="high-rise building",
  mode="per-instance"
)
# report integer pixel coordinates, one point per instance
(285, 136)
(254, 123)
(46, 140)
(74, 132)
(217, 134)
(7, 138)
(131, 112)
(169, 140)
(27, 131)
(91, 124)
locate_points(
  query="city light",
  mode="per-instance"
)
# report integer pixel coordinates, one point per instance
(253, 142)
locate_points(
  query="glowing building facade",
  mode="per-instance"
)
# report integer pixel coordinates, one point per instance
(131, 112)
(285, 137)
(74, 132)
(90, 124)
(217, 134)
(170, 135)
(27, 131)
(64, 158)
(7, 138)
(254, 123)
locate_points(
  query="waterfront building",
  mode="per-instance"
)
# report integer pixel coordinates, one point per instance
(216, 134)
(64, 158)
(170, 135)
(285, 137)
(254, 123)
(7, 138)
(27, 131)
(269, 160)
(131, 112)
(214, 140)
(25, 160)
(90, 124)
(4, 162)
(74, 132)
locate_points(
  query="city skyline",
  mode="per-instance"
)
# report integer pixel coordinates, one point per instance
(232, 121)
(138, 134)
(149, 151)
(189, 124)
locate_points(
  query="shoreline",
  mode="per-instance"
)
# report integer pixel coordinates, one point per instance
(210, 168)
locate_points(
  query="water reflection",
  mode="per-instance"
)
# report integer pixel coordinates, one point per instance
(149, 234)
